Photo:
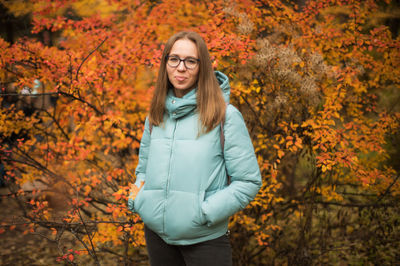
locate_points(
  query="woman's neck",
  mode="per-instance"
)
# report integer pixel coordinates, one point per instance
(181, 93)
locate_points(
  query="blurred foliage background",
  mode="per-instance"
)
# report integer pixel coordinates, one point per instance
(316, 81)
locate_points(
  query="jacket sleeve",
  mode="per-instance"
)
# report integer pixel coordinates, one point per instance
(242, 167)
(142, 164)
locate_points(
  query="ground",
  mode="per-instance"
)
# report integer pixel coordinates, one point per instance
(33, 249)
(17, 248)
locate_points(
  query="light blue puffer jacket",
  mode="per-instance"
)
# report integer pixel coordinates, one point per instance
(186, 198)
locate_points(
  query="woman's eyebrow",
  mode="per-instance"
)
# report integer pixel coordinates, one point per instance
(189, 56)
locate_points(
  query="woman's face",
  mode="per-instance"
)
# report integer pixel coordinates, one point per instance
(182, 78)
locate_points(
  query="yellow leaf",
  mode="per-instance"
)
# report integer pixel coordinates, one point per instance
(87, 189)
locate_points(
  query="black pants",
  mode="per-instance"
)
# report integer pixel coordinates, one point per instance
(212, 252)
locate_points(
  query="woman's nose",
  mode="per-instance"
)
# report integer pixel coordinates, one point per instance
(181, 66)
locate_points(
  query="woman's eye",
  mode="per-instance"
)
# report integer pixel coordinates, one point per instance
(173, 59)
(191, 61)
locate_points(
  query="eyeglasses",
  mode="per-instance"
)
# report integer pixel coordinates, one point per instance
(189, 62)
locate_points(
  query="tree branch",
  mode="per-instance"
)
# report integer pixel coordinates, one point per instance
(84, 60)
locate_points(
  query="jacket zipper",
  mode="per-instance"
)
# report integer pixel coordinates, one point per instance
(169, 173)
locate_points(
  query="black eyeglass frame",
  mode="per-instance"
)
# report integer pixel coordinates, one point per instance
(180, 60)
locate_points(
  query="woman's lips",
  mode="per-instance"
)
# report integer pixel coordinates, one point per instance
(180, 79)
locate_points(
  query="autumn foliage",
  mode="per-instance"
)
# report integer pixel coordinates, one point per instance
(318, 86)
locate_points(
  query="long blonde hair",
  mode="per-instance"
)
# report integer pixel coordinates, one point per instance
(210, 101)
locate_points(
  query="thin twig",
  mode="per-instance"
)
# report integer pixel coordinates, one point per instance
(84, 60)
(28, 95)
(90, 238)
(387, 189)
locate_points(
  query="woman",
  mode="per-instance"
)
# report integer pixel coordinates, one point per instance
(182, 191)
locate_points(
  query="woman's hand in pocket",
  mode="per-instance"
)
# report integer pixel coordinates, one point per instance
(134, 190)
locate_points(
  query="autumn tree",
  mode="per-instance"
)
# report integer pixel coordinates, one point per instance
(315, 84)
(315, 98)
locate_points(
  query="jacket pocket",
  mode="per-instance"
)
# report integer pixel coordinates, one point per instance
(149, 205)
(183, 218)
(202, 217)
(135, 203)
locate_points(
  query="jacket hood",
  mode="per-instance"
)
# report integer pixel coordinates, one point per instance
(223, 81)
(179, 107)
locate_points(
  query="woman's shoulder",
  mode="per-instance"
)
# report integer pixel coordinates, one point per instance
(235, 129)
(232, 114)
